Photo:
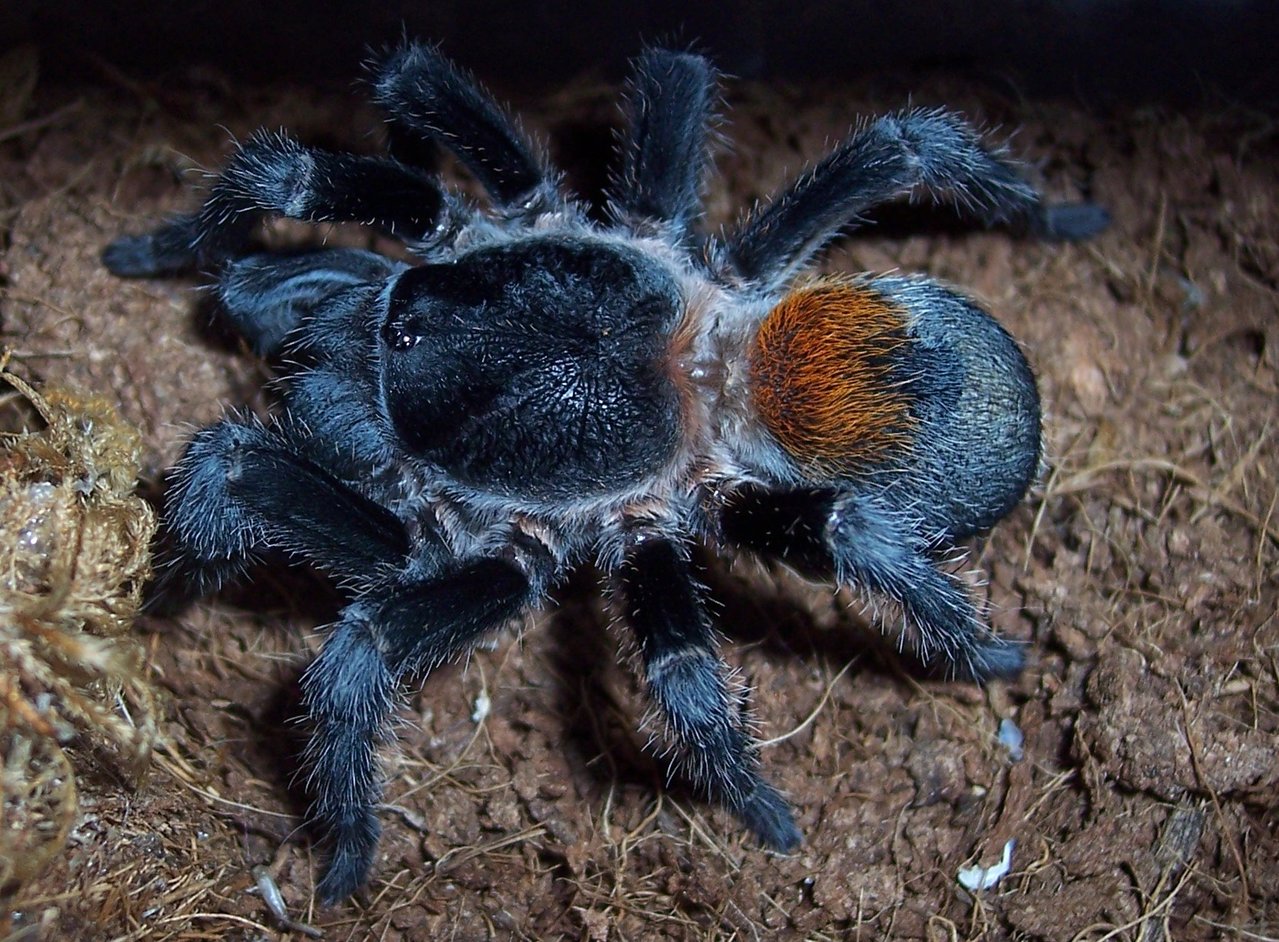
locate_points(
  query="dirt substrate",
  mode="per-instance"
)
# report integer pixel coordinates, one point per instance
(1142, 574)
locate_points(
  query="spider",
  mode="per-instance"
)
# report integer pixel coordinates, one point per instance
(542, 389)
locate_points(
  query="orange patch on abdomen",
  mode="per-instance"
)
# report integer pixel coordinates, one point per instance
(828, 378)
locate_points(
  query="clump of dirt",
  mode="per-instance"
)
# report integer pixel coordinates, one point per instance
(521, 803)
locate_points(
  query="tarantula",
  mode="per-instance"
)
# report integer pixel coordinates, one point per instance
(541, 389)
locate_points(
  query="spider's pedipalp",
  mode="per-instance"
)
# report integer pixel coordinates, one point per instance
(242, 489)
(890, 157)
(664, 153)
(429, 98)
(267, 296)
(666, 609)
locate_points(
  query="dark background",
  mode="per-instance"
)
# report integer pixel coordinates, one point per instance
(1096, 50)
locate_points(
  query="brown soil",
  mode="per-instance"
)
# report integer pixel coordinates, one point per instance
(1142, 572)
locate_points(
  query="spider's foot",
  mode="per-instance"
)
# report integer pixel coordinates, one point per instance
(994, 659)
(1073, 222)
(349, 866)
(180, 577)
(343, 878)
(171, 591)
(769, 817)
(166, 251)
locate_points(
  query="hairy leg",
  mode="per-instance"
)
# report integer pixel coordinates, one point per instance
(852, 539)
(685, 676)
(241, 489)
(272, 174)
(429, 98)
(352, 687)
(664, 152)
(936, 151)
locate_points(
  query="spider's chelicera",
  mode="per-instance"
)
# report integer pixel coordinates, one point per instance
(541, 389)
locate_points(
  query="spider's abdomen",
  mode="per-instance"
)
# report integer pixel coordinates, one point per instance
(827, 377)
(907, 387)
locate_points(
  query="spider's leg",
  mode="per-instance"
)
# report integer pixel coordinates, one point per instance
(166, 250)
(428, 98)
(670, 98)
(267, 296)
(351, 689)
(272, 174)
(241, 489)
(686, 680)
(936, 151)
(834, 534)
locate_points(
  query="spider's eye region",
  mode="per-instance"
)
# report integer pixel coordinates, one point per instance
(399, 337)
(403, 340)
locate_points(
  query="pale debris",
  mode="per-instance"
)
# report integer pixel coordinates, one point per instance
(482, 705)
(983, 878)
(1010, 735)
